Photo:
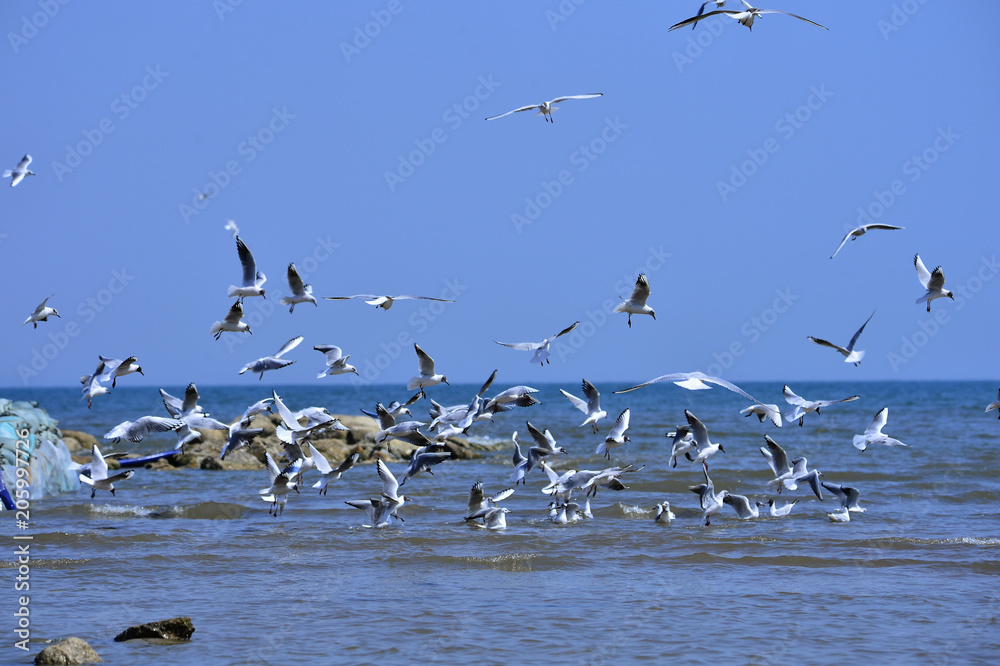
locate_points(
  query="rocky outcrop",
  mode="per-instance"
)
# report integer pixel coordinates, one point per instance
(174, 629)
(73, 650)
(79, 441)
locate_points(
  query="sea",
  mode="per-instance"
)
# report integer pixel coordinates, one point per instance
(914, 579)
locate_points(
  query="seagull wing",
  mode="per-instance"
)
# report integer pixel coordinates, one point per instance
(790, 396)
(778, 459)
(641, 291)
(701, 17)
(875, 427)
(249, 265)
(235, 313)
(579, 404)
(347, 298)
(288, 346)
(936, 282)
(98, 466)
(286, 414)
(827, 343)
(488, 384)
(854, 340)
(593, 397)
(923, 274)
(295, 281)
(846, 236)
(620, 426)
(698, 429)
(389, 484)
(332, 353)
(574, 325)
(425, 362)
(523, 108)
(522, 346)
(190, 399)
(587, 96)
(319, 460)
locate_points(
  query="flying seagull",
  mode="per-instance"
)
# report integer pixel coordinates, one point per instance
(541, 349)
(636, 303)
(427, 376)
(873, 434)
(336, 362)
(858, 232)
(135, 431)
(385, 302)
(803, 406)
(98, 478)
(545, 108)
(253, 279)
(994, 405)
(932, 282)
(745, 17)
(231, 322)
(616, 437)
(115, 368)
(850, 356)
(275, 362)
(41, 313)
(591, 407)
(301, 293)
(18, 173)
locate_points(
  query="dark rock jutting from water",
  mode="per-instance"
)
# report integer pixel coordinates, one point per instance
(174, 629)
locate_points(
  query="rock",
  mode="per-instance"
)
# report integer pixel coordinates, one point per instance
(210, 463)
(174, 629)
(73, 650)
(76, 440)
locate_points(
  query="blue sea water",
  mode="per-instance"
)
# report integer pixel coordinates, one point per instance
(912, 580)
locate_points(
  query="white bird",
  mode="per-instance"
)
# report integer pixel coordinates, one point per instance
(186, 434)
(115, 368)
(776, 511)
(706, 448)
(711, 503)
(932, 282)
(98, 478)
(423, 459)
(18, 173)
(742, 505)
(848, 496)
(92, 385)
(541, 349)
(777, 460)
(803, 406)
(636, 303)
(745, 17)
(178, 408)
(390, 489)
(324, 467)
(239, 437)
(301, 293)
(616, 437)
(275, 362)
(663, 513)
(858, 232)
(873, 434)
(520, 463)
(565, 512)
(253, 279)
(135, 431)
(546, 108)
(231, 322)
(591, 407)
(519, 396)
(281, 485)
(850, 356)
(336, 362)
(841, 515)
(379, 512)
(427, 376)
(545, 445)
(41, 313)
(698, 381)
(290, 431)
(683, 443)
(994, 405)
(232, 228)
(485, 507)
(802, 473)
(768, 411)
(385, 302)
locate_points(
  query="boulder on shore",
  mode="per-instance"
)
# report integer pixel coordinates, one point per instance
(73, 650)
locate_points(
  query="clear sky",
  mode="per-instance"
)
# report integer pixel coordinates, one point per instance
(349, 137)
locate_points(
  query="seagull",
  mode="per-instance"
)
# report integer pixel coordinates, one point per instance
(545, 445)
(850, 356)
(135, 431)
(841, 515)
(591, 407)
(519, 396)
(873, 434)
(778, 511)
(290, 431)
(301, 293)
(18, 173)
(427, 376)
(932, 282)
(422, 460)
(800, 473)
(697, 381)
(520, 463)
(741, 504)
(745, 17)
(385, 302)
(231, 227)
(636, 303)
(281, 485)
(98, 478)
(239, 437)
(683, 443)
(994, 405)
(388, 427)
(541, 349)
(858, 232)
(485, 507)
(706, 448)
(379, 512)
(324, 467)
(253, 410)
(777, 460)
(115, 368)
(275, 362)
(252, 278)
(185, 434)
(564, 513)
(848, 496)
(711, 503)
(336, 362)
(616, 437)
(231, 322)
(92, 385)
(390, 489)
(545, 108)
(395, 408)
(803, 406)
(41, 313)
(178, 408)
(663, 512)
(769, 411)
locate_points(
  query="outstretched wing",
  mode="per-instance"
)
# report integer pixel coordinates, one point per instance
(522, 346)
(854, 340)
(247, 260)
(827, 343)
(923, 274)
(587, 96)
(295, 281)
(523, 108)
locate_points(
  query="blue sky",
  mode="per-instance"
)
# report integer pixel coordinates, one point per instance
(350, 138)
